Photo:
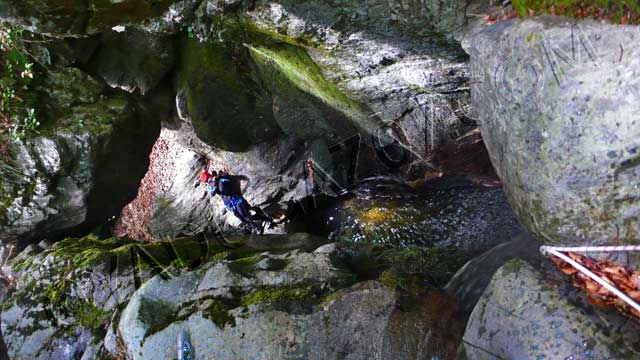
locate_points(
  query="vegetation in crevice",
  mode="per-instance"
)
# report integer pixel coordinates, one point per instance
(614, 11)
(18, 118)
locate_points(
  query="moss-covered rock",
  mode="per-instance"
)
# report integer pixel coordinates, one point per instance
(224, 100)
(77, 286)
(309, 307)
(82, 166)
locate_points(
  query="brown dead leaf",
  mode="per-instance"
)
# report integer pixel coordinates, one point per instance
(623, 278)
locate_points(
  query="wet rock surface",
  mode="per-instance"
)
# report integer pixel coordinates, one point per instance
(447, 213)
(469, 283)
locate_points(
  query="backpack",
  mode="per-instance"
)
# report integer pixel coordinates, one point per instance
(227, 185)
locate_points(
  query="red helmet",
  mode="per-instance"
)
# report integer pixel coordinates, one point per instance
(205, 176)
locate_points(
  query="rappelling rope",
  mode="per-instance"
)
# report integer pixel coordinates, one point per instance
(557, 251)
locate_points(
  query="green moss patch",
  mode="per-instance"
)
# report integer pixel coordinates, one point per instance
(406, 267)
(285, 64)
(225, 102)
(92, 317)
(296, 69)
(273, 294)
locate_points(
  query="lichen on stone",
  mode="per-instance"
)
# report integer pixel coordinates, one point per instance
(274, 294)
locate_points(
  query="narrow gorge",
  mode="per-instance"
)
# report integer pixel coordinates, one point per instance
(401, 172)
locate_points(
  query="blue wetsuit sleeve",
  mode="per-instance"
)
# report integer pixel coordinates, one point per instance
(212, 189)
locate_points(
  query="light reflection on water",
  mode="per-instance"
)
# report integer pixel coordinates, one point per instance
(392, 213)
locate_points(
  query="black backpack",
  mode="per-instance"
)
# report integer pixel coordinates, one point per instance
(228, 185)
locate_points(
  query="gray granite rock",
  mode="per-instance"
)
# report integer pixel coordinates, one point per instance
(235, 317)
(528, 313)
(468, 284)
(558, 106)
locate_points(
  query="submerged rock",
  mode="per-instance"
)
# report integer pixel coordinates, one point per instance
(558, 106)
(526, 314)
(468, 284)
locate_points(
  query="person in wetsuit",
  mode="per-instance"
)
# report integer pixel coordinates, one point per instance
(228, 187)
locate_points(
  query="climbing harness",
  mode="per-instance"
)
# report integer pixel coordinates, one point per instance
(234, 202)
(558, 251)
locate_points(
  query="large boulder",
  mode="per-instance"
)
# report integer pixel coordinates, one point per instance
(278, 296)
(387, 57)
(528, 313)
(558, 106)
(67, 295)
(287, 306)
(133, 59)
(222, 96)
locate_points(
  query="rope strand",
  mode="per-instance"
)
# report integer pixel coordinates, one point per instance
(622, 248)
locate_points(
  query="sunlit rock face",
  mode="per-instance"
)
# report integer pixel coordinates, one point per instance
(376, 53)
